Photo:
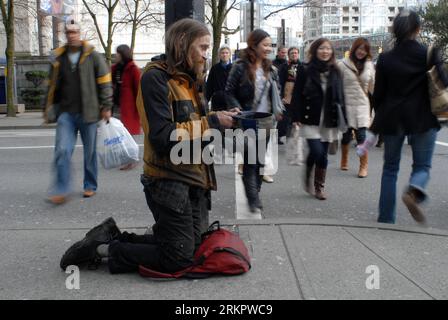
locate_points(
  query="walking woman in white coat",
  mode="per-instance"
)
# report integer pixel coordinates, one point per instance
(358, 73)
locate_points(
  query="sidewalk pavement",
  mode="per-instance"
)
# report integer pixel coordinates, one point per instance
(292, 259)
(27, 120)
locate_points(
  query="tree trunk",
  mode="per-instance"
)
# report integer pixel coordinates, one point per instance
(134, 25)
(10, 48)
(56, 22)
(39, 28)
(108, 51)
(217, 35)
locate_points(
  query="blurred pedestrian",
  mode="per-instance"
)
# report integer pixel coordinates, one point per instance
(281, 63)
(253, 85)
(81, 88)
(294, 148)
(358, 74)
(217, 79)
(318, 107)
(126, 80)
(281, 59)
(402, 108)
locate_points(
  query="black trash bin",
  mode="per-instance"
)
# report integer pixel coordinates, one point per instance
(2, 90)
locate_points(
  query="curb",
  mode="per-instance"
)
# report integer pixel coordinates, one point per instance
(26, 127)
(283, 222)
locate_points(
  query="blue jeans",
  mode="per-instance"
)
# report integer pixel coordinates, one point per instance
(360, 133)
(318, 153)
(422, 151)
(66, 133)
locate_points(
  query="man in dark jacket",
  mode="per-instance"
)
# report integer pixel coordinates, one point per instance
(288, 77)
(80, 93)
(217, 79)
(281, 63)
(178, 195)
(282, 57)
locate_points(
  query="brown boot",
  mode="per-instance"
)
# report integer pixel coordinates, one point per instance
(344, 156)
(319, 183)
(363, 165)
(308, 184)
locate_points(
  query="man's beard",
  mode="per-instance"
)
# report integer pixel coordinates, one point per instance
(199, 68)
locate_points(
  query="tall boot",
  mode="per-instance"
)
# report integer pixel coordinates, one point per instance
(308, 184)
(344, 156)
(363, 165)
(319, 183)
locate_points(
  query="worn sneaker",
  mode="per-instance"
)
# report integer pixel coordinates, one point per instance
(84, 251)
(411, 203)
(57, 199)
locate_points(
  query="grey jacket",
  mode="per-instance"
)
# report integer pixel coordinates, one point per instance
(96, 83)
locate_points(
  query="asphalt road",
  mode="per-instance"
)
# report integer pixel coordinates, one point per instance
(25, 171)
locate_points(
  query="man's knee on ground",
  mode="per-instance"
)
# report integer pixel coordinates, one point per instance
(176, 255)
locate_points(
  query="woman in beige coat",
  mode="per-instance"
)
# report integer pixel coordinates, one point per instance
(358, 73)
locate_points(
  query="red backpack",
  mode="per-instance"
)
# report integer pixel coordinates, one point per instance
(221, 252)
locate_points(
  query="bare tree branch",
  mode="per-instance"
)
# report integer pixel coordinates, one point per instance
(296, 4)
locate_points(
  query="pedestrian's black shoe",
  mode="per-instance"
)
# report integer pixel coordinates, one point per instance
(259, 204)
(84, 251)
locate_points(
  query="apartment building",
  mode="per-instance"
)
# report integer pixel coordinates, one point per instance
(336, 19)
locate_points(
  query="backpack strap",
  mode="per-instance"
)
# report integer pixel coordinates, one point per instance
(238, 254)
(149, 273)
(215, 226)
(429, 56)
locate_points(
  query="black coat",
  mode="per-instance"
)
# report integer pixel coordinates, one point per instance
(240, 89)
(216, 85)
(401, 98)
(282, 66)
(308, 97)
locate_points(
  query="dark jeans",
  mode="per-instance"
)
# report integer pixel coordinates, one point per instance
(318, 154)
(252, 179)
(181, 215)
(284, 126)
(360, 133)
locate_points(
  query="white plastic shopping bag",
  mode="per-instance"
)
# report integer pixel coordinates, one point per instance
(271, 157)
(115, 145)
(295, 147)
